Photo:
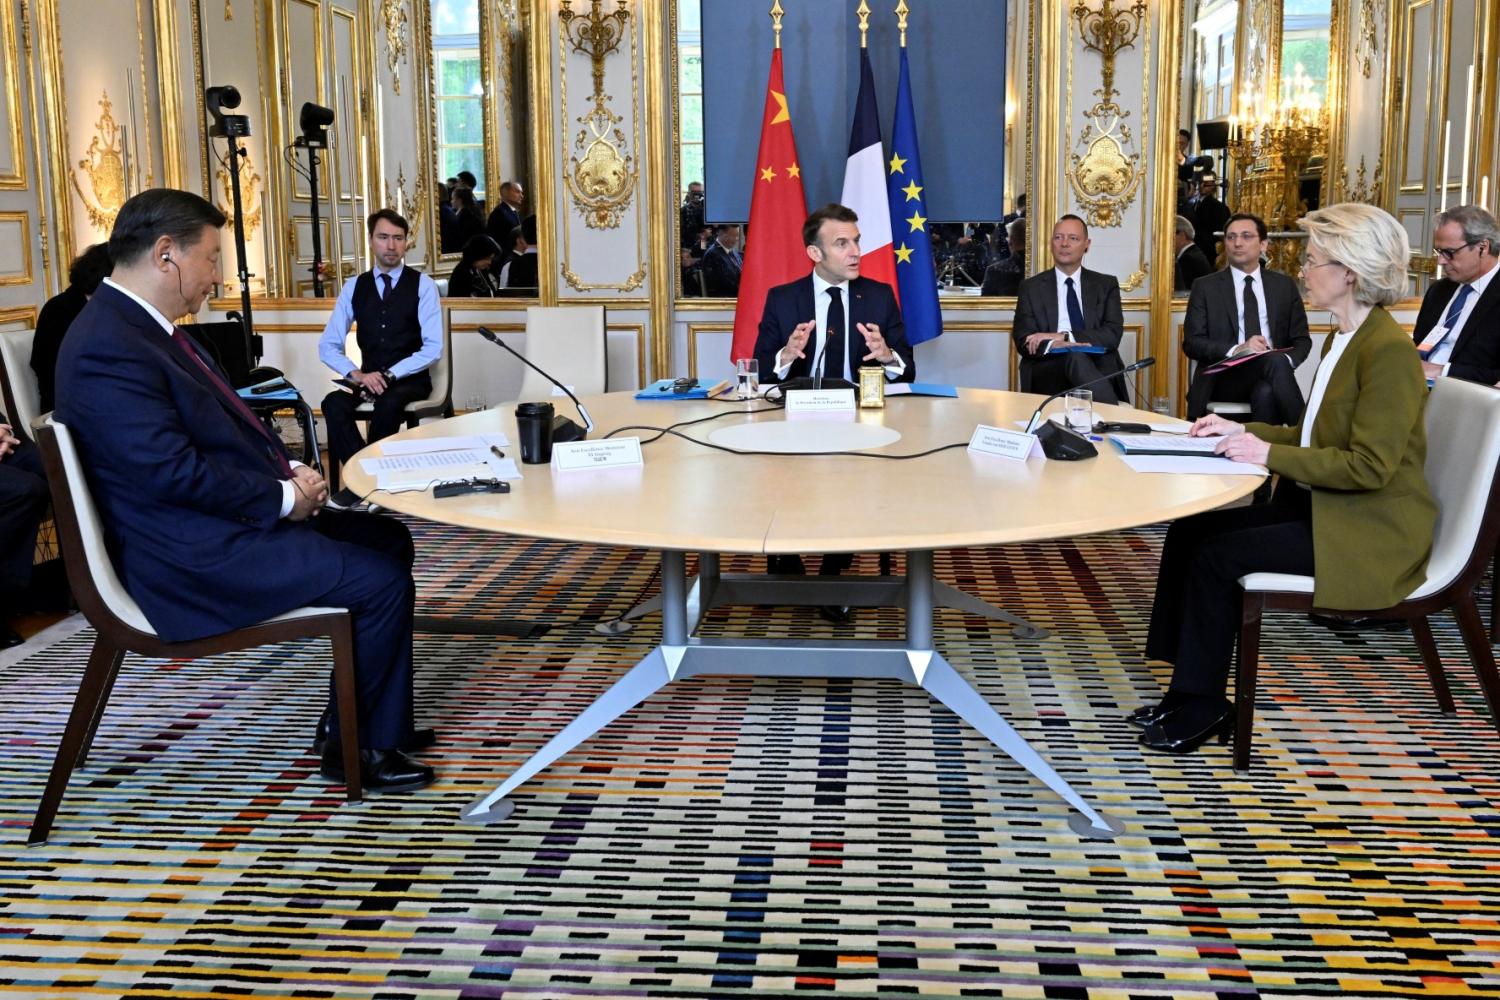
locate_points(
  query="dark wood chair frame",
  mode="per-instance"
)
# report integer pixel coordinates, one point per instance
(1458, 595)
(116, 638)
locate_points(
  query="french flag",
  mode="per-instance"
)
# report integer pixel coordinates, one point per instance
(864, 184)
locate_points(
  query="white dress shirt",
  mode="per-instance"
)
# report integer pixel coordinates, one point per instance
(1320, 382)
(429, 318)
(819, 338)
(1064, 321)
(288, 497)
(1444, 350)
(1258, 285)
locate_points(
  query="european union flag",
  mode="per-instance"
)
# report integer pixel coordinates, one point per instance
(909, 236)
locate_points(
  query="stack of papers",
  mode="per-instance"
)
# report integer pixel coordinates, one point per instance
(418, 463)
(1156, 444)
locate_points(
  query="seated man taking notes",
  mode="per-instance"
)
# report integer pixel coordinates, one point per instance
(1064, 305)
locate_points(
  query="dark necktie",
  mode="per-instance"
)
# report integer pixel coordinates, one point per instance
(386, 279)
(1252, 310)
(1451, 320)
(833, 358)
(277, 454)
(1075, 311)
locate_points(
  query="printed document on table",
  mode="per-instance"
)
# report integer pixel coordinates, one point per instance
(467, 442)
(1196, 465)
(423, 460)
(1155, 444)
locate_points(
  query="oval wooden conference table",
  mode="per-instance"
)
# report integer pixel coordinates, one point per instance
(686, 497)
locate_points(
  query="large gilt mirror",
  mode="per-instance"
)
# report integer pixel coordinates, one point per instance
(969, 217)
(1254, 115)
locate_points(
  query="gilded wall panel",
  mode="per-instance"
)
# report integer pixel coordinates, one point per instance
(12, 149)
(15, 249)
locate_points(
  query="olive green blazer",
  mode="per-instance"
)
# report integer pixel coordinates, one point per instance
(1372, 514)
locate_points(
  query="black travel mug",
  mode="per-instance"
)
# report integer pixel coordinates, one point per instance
(534, 428)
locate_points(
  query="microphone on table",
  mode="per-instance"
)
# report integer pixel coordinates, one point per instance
(563, 429)
(816, 381)
(1061, 443)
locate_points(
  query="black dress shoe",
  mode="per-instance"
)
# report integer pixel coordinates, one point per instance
(379, 770)
(421, 739)
(785, 565)
(1148, 715)
(10, 637)
(1359, 624)
(1189, 727)
(838, 614)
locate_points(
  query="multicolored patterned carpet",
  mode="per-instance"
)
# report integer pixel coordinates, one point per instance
(767, 837)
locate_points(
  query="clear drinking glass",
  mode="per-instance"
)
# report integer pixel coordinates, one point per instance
(747, 378)
(1078, 410)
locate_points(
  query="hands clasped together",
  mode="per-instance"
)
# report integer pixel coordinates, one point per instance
(312, 492)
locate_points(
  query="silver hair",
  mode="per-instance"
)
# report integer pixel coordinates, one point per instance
(1477, 225)
(1186, 228)
(1366, 240)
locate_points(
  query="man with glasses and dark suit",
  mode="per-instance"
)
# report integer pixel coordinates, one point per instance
(1458, 327)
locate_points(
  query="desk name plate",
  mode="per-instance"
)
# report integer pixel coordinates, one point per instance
(570, 456)
(819, 401)
(989, 440)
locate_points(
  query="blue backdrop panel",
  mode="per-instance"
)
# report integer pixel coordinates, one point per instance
(957, 54)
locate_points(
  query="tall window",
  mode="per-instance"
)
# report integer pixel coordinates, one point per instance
(690, 92)
(460, 90)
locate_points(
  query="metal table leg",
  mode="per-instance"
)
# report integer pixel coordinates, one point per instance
(681, 656)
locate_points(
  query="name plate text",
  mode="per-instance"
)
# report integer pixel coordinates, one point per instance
(819, 401)
(989, 440)
(570, 456)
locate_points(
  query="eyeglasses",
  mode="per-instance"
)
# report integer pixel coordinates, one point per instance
(1308, 266)
(1448, 253)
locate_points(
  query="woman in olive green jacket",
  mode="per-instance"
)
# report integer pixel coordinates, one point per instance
(1352, 508)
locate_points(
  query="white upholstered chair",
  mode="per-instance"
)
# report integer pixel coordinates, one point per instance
(121, 627)
(1463, 455)
(568, 343)
(22, 398)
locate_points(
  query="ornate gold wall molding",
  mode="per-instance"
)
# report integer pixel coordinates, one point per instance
(169, 87)
(1106, 176)
(394, 20)
(13, 179)
(49, 49)
(251, 189)
(602, 171)
(418, 197)
(1371, 35)
(22, 223)
(104, 165)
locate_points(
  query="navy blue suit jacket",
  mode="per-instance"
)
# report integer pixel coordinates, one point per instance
(189, 492)
(870, 301)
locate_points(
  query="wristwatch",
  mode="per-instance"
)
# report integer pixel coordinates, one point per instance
(385, 373)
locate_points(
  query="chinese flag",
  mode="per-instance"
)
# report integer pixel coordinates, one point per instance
(774, 254)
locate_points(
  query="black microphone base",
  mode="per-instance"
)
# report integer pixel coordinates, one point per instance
(1063, 444)
(564, 429)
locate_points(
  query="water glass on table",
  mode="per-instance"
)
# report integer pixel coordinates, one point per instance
(1078, 410)
(747, 378)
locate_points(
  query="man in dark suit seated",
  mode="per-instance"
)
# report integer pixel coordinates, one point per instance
(399, 323)
(1191, 264)
(1068, 303)
(211, 527)
(1458, 327)
(831, 322)
(721, 264)
(505, 218)
(1245, 309)
(23, 501)
(520, 271)
(1004, 276)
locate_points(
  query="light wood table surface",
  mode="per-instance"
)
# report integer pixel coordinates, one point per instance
(690, 498)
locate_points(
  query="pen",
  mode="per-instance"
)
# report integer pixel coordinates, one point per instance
(497, 451)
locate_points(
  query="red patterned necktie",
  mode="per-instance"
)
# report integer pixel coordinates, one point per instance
(181, 340)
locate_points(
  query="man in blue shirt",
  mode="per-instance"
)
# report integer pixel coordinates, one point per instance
(400, 336)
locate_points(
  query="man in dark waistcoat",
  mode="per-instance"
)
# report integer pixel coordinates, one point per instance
(400, 336)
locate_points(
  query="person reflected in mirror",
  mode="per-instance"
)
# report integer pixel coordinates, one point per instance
(521, 270)
(88, 269)
(1005, 275)
(472, 277)
(1351, 509)
(1458, 326)
(722, 263)
(468, 220)
(1064, 305)
(1191, 264)
(506, 217)
(1209, 216)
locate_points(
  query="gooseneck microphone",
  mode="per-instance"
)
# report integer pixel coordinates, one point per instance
(1060, 443)
(563, 429)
